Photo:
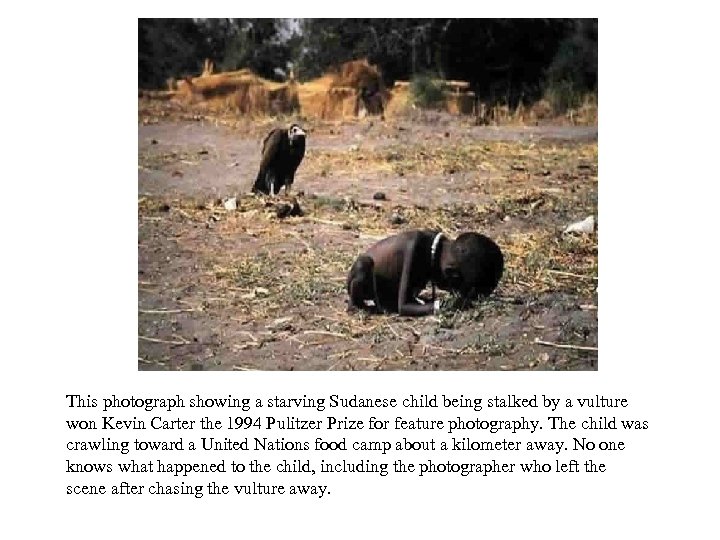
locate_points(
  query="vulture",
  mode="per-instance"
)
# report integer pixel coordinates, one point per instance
(282, 152)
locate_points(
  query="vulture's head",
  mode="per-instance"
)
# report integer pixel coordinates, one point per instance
(295, 133)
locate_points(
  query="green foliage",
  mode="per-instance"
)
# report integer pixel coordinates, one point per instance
(400, 46)
(178, 47)
(255, 44)
(167, 48)
(426, 90)
(576, 57)
(563, 95)
(573, 70)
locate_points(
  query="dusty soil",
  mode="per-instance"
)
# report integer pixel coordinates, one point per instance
(245, 289)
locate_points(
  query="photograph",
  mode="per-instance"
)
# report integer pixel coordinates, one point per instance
(367, 194)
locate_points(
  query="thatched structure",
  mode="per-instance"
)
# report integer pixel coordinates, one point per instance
(458, 98)
(241, 91)
(353, 89)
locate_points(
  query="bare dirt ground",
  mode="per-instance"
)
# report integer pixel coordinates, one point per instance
(246, 289)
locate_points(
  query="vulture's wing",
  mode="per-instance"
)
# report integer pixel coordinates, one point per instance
(265, 140)
(271, 147)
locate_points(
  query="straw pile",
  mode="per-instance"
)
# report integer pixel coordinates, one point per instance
(352, 89)
(242, 91)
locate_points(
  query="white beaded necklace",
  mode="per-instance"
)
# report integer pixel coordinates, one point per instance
(433, 252)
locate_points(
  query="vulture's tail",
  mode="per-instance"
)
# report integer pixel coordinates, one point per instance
(260, 185)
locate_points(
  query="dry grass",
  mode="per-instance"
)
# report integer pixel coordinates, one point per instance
(508, 159)
(305, 272)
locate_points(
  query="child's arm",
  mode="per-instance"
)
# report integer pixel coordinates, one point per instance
(362, 284)
(405, 304)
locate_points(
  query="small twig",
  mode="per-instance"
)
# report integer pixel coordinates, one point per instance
(157, 340)
(325, 221)
(570, 274)
(252, 338)
(293, 338)
(326, 318)
(444, 349)
(371, 359)
(300, 238)
(564, 346)
(326, 333)
(588, 307)
(332, 367)
(341, 355)
(413, 330)
(393, 331)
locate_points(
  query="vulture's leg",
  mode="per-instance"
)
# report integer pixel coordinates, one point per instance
(288, 183)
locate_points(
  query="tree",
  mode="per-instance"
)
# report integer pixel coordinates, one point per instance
(167, 48)
(256, 44)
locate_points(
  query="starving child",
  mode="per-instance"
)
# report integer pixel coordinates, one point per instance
(392, 272)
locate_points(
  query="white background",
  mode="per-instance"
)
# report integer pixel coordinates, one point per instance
(70, 283)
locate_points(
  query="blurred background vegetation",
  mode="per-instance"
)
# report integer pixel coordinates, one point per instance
(505, 60)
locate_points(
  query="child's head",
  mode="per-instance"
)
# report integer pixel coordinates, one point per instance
(475, 265)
